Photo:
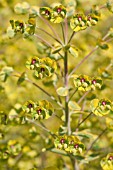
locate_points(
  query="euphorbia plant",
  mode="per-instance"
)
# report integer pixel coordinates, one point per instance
(52, 64)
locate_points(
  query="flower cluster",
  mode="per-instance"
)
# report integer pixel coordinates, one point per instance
(38, 110)
(12, 148)
(44, 67)
(55, 15)
(107, 162)
(86, 83)
(101, 107)
(80, 21)
(21, 27)
(17, 26)
(70, 144)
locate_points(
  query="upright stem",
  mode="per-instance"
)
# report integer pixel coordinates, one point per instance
(74, 163)
(66, 31)
(98, 137)
(67, 118)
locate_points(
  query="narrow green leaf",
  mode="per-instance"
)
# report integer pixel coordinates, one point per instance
(62, 91)
(73, 51)
(22, 78)
(73, 105)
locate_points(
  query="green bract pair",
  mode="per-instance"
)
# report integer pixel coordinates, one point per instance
(44, 67)
(107, 162)
(101, 107)
(70, 144)
(38, 110)
(55, 15)
(86, 83)
(80, 21)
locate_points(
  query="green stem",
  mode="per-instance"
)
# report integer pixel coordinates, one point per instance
(49, 25)
(43, 40)
(63, 32)
(84, 119)
(41, 126)
(74, 163)
(48, 44)
(98, 137)
(72, 35)
(49, 35)
(82, 61)
(36, 85)
(73, 94)
(84, 95)
(52, 97)
(66, 31)
(88, 55)
(67, 117)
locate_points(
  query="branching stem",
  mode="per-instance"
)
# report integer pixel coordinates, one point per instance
(98, 137)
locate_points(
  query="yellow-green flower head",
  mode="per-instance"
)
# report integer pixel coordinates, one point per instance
(70, 144)
(46, 12)
(107, 162)
(82, 82)
(78, 22)
(101, 107)
(58, 14)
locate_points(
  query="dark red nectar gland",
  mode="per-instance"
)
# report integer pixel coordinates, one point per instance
(110, 158)
(76, 146)
(30, 106)
(62, 141)
(82, 80)
(39, 111)
(103, 103)
(80, 18)
(33, 61)
(42, 69)
(47, 12)
(93, 81)
(21, 25)
(59, 10)
(89, 18)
